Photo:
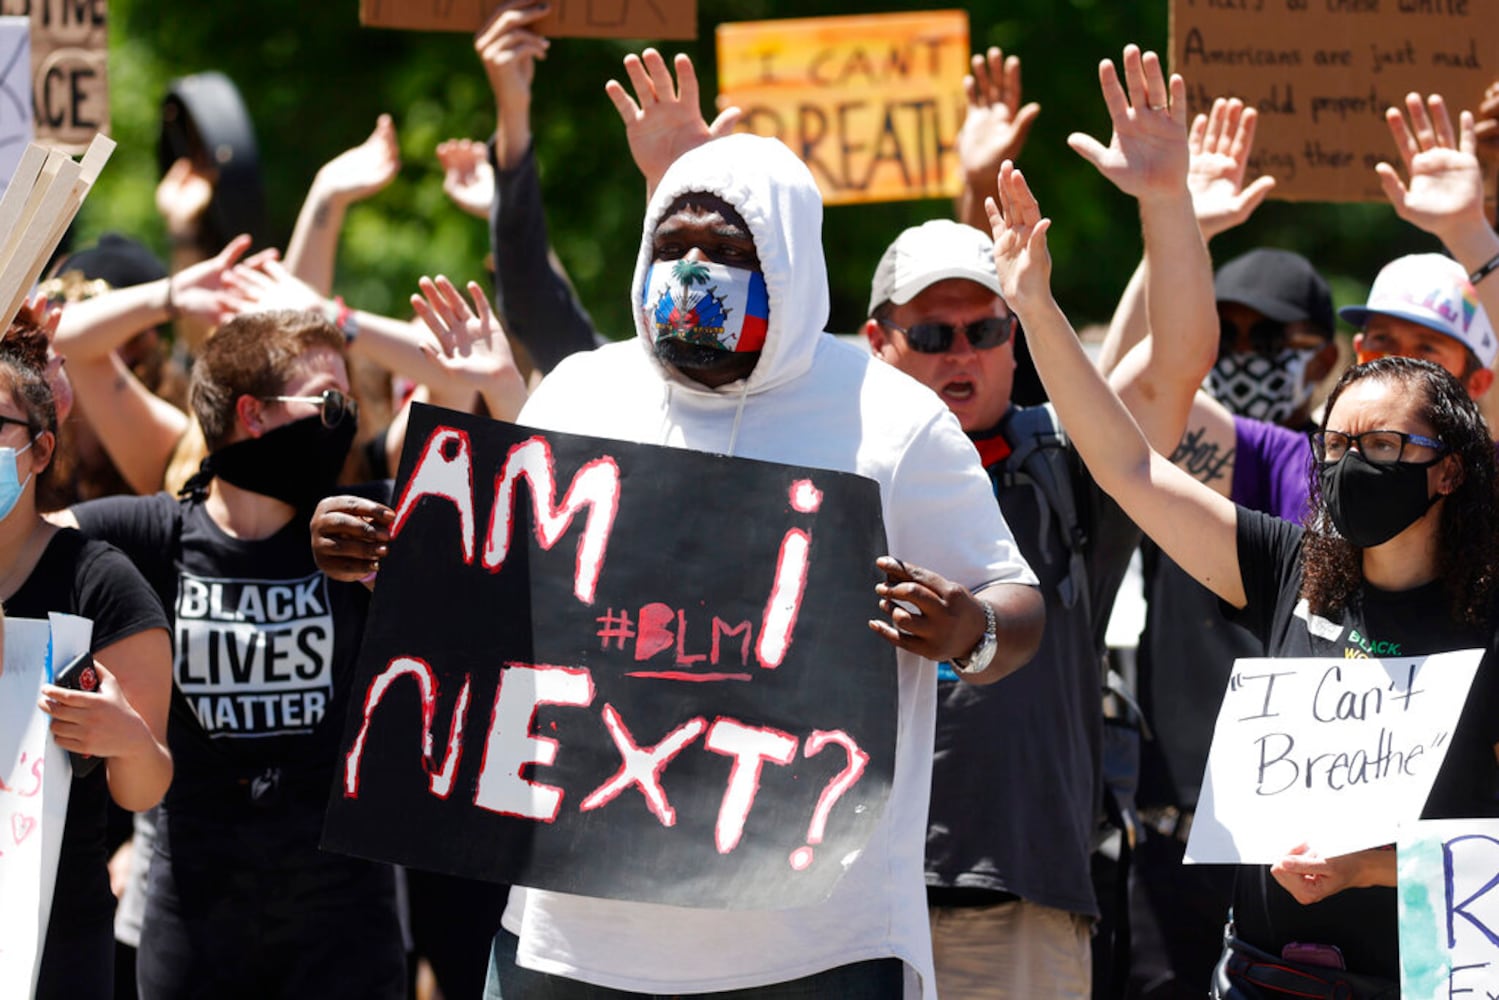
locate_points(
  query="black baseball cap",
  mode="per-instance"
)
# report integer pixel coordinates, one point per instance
(1278, 283)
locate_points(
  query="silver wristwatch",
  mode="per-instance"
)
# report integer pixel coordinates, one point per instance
(979, 658)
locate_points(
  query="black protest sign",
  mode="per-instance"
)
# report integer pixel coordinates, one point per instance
(620, 670)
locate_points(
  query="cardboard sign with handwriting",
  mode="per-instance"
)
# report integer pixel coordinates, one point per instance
(69, 70)
(871, 103)
(568, 19)
(1323, 73)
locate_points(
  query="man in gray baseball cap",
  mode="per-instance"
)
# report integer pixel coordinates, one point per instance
(1015, 775)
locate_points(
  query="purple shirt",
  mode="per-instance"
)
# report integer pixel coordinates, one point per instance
(1272, 468)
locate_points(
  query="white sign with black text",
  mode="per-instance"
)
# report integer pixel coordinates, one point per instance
(1333, 753)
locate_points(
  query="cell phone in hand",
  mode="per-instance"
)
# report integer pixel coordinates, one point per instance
(80, 675)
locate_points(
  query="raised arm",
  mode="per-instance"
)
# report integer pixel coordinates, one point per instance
(994, 129)
(1191, 523)
(393, 344)
(467, 177)
(532, 297)
(137, 428)
(1445, 194)
(350, 176)
(1219, 144)
(1148, 158)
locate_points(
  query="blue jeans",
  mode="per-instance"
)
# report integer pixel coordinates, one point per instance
(878, 979)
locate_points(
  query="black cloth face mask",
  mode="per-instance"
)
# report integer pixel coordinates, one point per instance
(297, 463)
(1369, 503)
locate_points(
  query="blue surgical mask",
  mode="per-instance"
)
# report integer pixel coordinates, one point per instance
(11, 484)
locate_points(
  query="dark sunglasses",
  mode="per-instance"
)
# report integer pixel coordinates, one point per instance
(932, 337)
(333, 406)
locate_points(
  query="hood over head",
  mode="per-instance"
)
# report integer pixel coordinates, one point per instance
(775, 194)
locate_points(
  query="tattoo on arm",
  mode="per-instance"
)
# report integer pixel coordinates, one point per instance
(320, 215)
(1203, 460)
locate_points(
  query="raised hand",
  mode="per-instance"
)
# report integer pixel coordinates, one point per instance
(182, 196)
(1021, 258)
(467, 177)
(264, 285)
(47, 315)
(360, 172)
(665, 119)
(1219, 144)
(473, 347)
(508, 48)
(1445, 194)
(996, 125)
(1147, 154)
(204, 292)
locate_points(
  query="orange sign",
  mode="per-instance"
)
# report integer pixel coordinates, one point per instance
(1322, 73)
(871, 103)
(568, 19)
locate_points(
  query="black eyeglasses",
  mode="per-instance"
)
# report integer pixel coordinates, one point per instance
(931, 337)
(15, 420)
(1379, 447)
(333, 406)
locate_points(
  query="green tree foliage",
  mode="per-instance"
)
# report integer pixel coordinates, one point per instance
(314, 82)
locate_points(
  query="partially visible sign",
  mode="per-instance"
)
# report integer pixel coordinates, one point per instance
(1449, 909)
(568, 19)
(69, 69)
(35, 781)
(1322, 74)
(15, 93)
(620, 670)
(1328, 752)
(871, 103)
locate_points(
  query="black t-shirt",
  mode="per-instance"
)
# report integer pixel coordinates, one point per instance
(1361, 922)
(78, 576)
(265, 646)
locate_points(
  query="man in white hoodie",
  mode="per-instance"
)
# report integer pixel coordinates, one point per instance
(759, 380)
(745, 213)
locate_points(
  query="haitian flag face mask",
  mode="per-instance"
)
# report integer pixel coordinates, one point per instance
(707, 304)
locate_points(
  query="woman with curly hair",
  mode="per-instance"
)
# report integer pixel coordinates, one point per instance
(1400, 548)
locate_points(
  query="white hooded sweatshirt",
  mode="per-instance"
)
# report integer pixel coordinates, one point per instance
(815, 402)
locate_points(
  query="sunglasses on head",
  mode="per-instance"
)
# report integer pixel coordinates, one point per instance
(932, 337)
(333, 405)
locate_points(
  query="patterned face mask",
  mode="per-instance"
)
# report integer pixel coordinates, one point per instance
(706, 304)
(1265, 387)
